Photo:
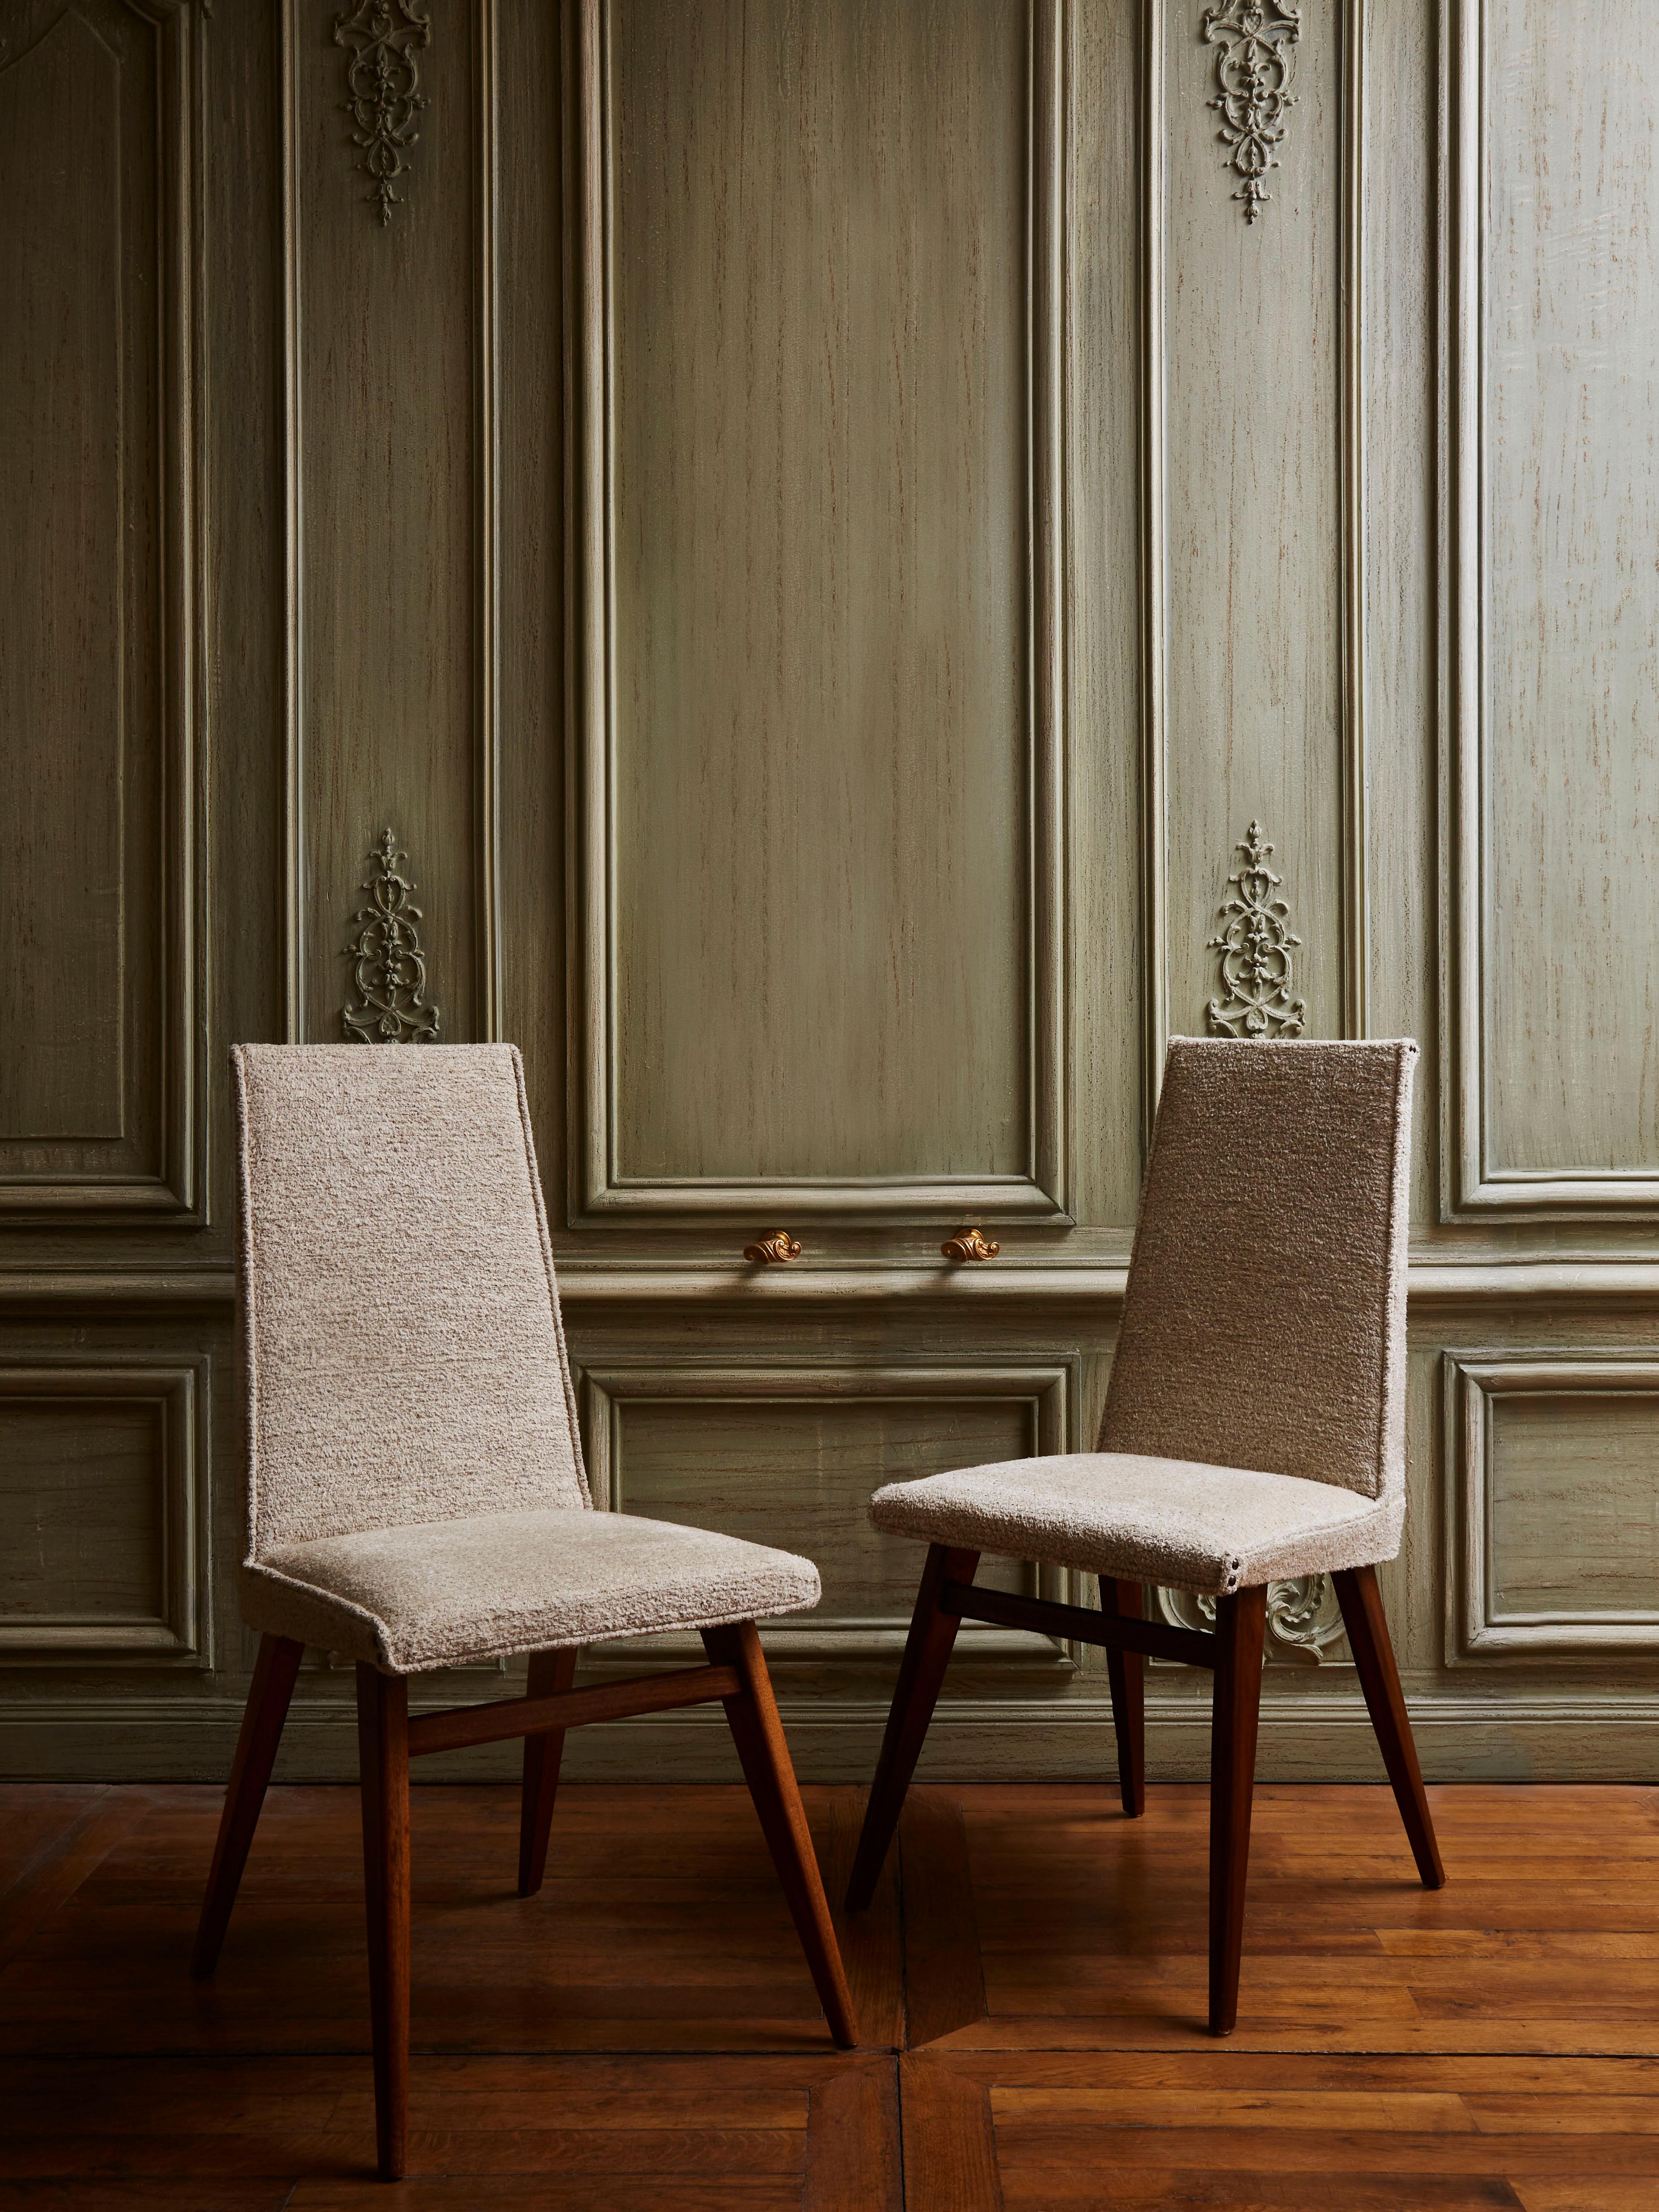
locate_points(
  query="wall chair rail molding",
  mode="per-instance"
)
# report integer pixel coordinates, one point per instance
(815, 1438)
(689, 1159)
(1255, 42)
(1548, 485)
(105, 1540)
(1551, 1462)
(103, 791)
(1248, 508)
(390, 322)
(383, 40)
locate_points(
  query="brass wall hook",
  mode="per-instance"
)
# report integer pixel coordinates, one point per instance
(779, 1246)
(968, 1244)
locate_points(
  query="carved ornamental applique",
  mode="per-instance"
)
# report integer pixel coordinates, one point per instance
(1253, 40)
(384, 84)
(1255, 945)
(1304, 1619)
(388, 965)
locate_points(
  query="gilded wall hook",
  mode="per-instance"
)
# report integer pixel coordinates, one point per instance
(779, 1246)
(968, 1244)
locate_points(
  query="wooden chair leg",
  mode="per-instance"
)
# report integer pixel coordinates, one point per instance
(383, 1755)
(1127, 1673)
(551, 1673)
(1368, 1636)
(758, 1734)
(922, 1670)
(1240, 1626)
(268, 1694)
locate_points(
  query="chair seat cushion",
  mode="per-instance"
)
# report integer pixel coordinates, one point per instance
(438, 1592)
(1210, 1529)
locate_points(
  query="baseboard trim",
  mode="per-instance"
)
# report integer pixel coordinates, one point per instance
(1328, 1739)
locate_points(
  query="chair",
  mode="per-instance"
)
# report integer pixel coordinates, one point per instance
(416, 1490)
(1253, 1430)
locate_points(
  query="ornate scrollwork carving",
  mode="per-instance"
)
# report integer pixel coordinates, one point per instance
(1253, 38)
(968, 1244)
(773, 1251)
(384, 88)
(388, 966)
(1304, 1617)
(1255, 953)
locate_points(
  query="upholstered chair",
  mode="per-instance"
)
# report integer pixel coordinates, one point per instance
(1253, 1430)
(416, 1497)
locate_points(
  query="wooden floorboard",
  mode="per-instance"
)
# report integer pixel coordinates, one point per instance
(1030, 1986)
(1495, 2043)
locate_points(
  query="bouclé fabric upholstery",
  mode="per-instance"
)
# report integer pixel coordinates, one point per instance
(416, 1488)
(1255, 1421)
(440, 1593)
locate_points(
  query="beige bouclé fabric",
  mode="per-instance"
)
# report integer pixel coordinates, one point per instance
(416, 1490)
(1255, 1421)
(440, 1593)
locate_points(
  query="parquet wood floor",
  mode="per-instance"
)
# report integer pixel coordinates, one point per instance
(1031, 1985)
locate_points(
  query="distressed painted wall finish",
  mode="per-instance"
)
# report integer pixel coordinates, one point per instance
(860, 556)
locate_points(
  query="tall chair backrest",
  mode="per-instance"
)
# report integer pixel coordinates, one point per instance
(403, 1354)
(1264, 1324)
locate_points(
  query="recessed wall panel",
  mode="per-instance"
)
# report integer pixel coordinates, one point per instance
(1575, 1505)
(789, 1458)
(1553, 1462)
(103, 1539)
(1558, 606)
(796, 1476)
(1570, 364)
(80, 1531)
(98, 881)
(820, 326)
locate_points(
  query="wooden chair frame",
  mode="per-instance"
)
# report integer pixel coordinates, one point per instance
(947, 1597)
(388, 1739)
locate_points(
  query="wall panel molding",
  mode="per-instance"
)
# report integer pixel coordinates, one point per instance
(1048, 1392)
(167, 1399)
(1093, 1288)
(1569, 679)
(601, 1188)
(1532, 1285)
(1533, 1523)
(128, 992)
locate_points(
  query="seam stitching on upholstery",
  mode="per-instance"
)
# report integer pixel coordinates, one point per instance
(245, 1287)
(552, 1280)
(720, 1619)
(1404, 1056)
(378, 1630)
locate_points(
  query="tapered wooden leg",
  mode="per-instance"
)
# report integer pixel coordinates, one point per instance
(758, 1733)
(551, 1673)
(922, 1670)
(266, 1710)
(1240, 1626)
(1368, 1636)
(1126, 1671)
(383, 1755)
